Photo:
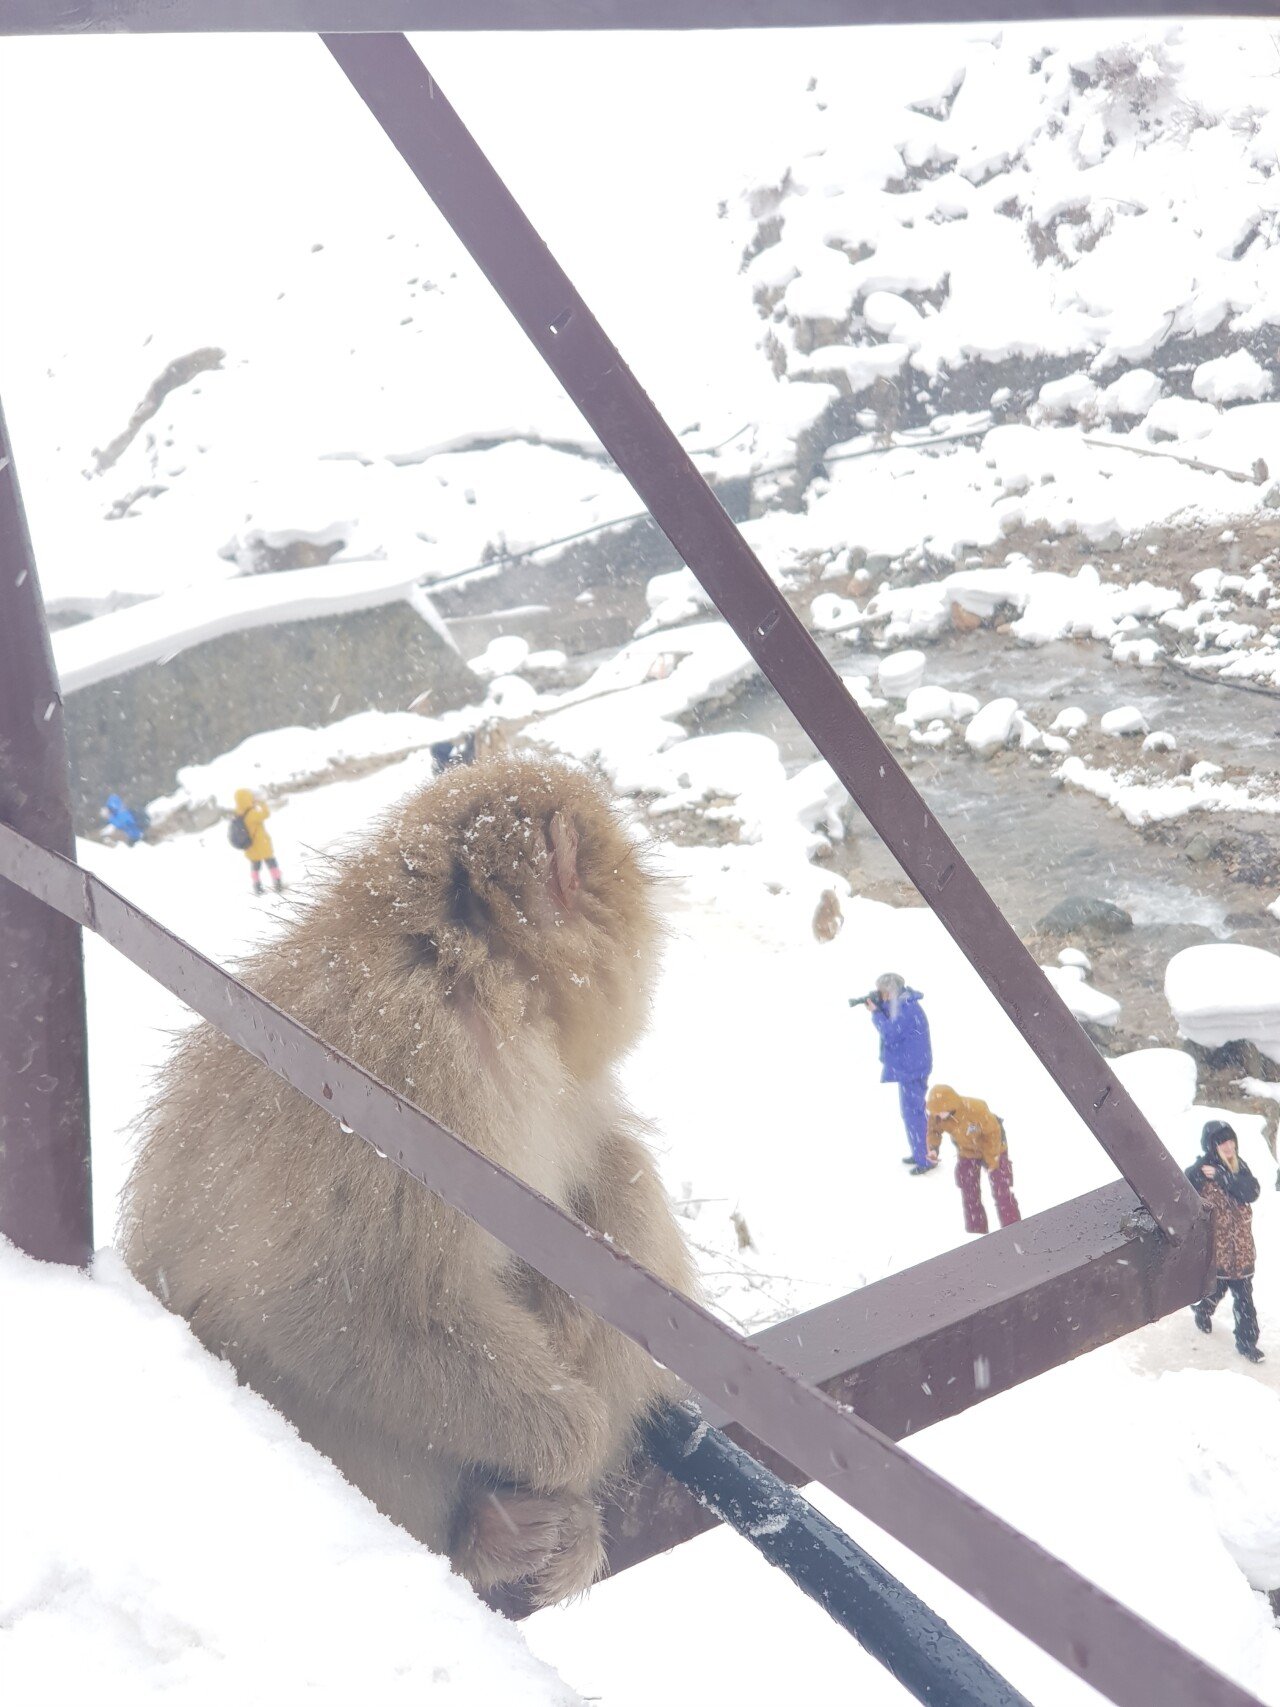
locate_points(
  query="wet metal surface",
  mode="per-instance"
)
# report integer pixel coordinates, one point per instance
(45, 1198)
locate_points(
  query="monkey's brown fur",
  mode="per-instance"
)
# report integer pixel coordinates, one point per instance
(489, 955)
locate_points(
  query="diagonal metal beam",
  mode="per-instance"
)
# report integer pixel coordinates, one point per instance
(923, 1345)
(444, 157)
(46, 1205)
(1099, 1639)
(47, 17)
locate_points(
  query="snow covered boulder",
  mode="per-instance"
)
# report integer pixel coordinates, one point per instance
(512, 696)
(672, 598)
(830, 614)
(860, 692)
(1180, 418)
(994, 727)
(893, 317)
(1086, 1003)
(925, 704)
(1074, 395)
(1075, 957)
(1226, 992)
(1133, 394)
(1124, 720)
(725, 767)
(1159, 741)
(900, 672)
(1144, 651)
(1070, 720)
(503, 656)
(1237, 378)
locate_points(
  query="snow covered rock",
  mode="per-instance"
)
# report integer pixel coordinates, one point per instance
(1074, 395)
(1070, 720)
(993, 727)
(1159, 741)
(860, 693)
(1134, 393)
(1180, 418)
(829, 614)
(725, 767)
(1124, 720)
(503, 656)
(1237, 378)
(927, 703)
(1075, 957)
(673, 598)
(1144, 651)
(1224, 993)
(1085, 913)
(892, 316)
(1085, 1002)
(900, 672)
(512, 696)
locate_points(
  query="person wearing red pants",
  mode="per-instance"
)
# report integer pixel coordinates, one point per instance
(979, 1139)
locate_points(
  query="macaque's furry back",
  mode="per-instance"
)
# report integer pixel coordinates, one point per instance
(488, 954)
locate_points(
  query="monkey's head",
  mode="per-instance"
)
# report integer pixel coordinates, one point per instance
(517, 890)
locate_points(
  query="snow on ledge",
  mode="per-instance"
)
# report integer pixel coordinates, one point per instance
(171, 1539)
(157, 629)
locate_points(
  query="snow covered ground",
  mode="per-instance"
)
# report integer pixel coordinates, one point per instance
(1195, 1456)
(944, 204)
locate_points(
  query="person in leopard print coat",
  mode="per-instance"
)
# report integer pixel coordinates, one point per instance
(1228, 1189)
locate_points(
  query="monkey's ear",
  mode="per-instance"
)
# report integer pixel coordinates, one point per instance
(562, 846)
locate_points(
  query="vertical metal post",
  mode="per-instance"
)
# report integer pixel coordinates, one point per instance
(46, 1205)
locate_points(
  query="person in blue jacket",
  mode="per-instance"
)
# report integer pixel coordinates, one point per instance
(118, 815)
(906, 1058)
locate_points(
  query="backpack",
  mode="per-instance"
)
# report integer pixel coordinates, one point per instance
(239, 834)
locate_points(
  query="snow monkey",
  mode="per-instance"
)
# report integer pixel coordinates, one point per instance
(488, 953)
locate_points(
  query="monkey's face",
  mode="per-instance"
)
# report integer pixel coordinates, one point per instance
(521, 894)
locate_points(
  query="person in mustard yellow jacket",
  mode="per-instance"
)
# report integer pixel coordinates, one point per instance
(248, 833)
(979, 1139)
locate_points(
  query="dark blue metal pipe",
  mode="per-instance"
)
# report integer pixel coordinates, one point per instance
(895, 1627)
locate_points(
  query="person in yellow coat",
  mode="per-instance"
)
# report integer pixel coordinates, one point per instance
(979, 1139)
(248, 833)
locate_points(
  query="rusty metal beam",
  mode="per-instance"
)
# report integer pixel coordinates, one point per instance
(444, 157)
(46, 1204)
(923, 1345)
(50, 17)
(1103, 1642)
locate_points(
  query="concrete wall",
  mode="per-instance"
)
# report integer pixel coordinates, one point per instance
(131, 733)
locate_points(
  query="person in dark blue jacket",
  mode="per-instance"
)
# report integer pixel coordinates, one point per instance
(906, 1058)
(118, 815)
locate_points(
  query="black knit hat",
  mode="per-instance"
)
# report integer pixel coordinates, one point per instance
(1216, 1132)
